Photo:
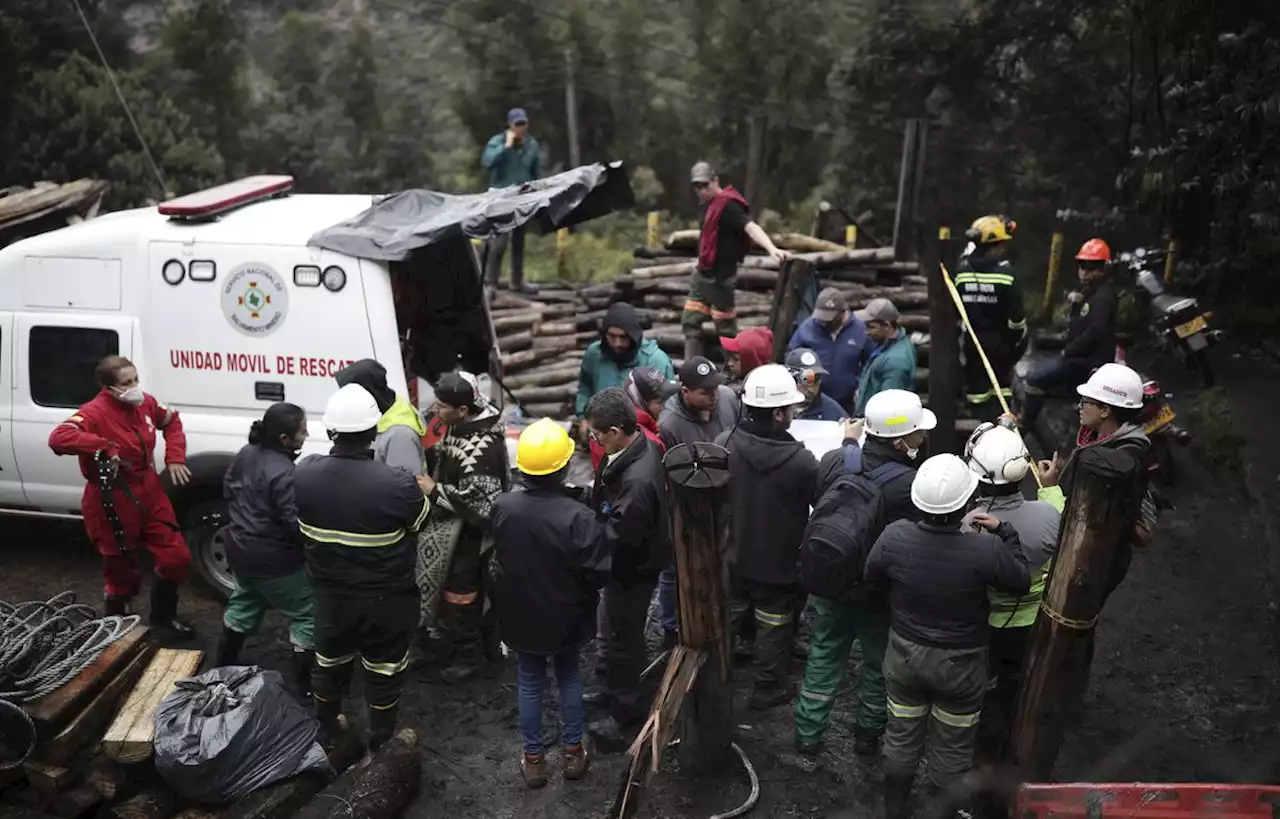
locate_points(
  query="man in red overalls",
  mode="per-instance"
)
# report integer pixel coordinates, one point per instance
(121, 422)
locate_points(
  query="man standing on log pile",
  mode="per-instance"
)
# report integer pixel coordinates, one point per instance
(621, 348)
(512, 157)
(1001, 461)
(891, 361)
(629, 496)
(992, 297)
(466, 471)
(773, 480)
(935, 576)
(839, 338)
(358, 518)
(744, 352)
(809, 372)
(702, 409)
(727, 231)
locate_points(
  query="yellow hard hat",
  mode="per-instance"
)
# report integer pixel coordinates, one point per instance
(544, 447)
(988, 230)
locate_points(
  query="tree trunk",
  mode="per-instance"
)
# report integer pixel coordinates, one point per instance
(377, 787)
(283, 799)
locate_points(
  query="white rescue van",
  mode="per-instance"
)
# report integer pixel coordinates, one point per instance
(224, 308)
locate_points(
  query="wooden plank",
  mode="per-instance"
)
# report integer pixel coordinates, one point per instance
(87, 727)
(47, 780)
(130, 735)
(54, 711)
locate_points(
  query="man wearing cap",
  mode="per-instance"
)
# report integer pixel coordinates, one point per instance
(512, 158)
(809, 372)
(839, 338)
(727, 231)
(466, 471)
(744, 352)
(891, 362)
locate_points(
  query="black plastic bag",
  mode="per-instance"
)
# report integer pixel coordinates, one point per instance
(231, 730)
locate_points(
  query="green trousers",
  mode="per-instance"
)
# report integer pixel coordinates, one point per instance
(290, 595)
(834, 628)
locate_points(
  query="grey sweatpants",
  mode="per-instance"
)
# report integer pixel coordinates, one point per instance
(935, 696)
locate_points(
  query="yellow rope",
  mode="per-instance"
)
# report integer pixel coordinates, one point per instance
(986, 363)
(1062, 620)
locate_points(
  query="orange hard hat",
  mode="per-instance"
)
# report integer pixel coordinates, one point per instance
(1094, 250)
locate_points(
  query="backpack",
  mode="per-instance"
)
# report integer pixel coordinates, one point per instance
(843, 527)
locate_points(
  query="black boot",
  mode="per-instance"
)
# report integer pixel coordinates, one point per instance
(382, 725)
(115, 606)
(229, 645)
(302, 664)
(164, 610)
(897, 796)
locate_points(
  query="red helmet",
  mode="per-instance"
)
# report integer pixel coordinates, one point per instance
(1094, 250)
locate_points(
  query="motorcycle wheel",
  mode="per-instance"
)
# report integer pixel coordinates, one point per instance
(1200, 364)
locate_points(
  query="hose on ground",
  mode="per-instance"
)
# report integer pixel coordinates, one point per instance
(17, 735)
(755, 787)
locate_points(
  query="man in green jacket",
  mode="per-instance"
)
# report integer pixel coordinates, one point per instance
(622, 347)
(892, 363)
(512, 158)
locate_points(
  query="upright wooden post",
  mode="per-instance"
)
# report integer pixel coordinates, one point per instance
(910, 180)
(850, 236)
(944, 349)
(1051, 279)
(1169, 261)
(1099, 517)
(793, 279)
(652, 225)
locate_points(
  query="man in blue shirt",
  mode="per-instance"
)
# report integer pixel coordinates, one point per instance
(512, 158)
(809, 372)
(840, 339)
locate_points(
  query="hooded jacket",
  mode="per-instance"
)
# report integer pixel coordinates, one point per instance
(773, 480)
(876, 452)
(1037, 525)
(1091, 330)
(602, 368)
(262, 538)
(681, 425)
(841, 356)
(400, 430)
(891, 366)
(755, 348)
(630, 492)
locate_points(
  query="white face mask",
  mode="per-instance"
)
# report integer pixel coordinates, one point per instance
(913, 452)
(131, 395)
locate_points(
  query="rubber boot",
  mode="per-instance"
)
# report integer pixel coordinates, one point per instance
(693, 347)
(382, 725)
(164, 610)
(897, 796)
(303, 661)
(229, 644)
(468, 663)
(115, 606)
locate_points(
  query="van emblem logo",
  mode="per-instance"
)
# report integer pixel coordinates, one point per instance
(255, 300)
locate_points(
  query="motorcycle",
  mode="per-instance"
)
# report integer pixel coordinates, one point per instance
(1177, 324)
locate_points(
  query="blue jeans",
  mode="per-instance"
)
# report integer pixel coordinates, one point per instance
(531, 682)
(1051, 375)
(668, 612)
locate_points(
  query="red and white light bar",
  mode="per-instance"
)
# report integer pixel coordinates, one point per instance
(208, 203)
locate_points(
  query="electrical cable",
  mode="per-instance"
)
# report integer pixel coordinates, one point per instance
(753, 797)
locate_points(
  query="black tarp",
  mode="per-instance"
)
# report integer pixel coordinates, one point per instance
(403, 222)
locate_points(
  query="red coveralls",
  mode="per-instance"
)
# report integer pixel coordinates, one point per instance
(112, 426)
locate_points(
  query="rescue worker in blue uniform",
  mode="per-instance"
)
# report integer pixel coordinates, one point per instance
(992, 297)
(358, 518)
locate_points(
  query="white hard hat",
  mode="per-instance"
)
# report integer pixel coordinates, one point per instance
(894, 413)
(1115, 385)
(351, 409)
(997, 455)
(770, 386)
(943, 485)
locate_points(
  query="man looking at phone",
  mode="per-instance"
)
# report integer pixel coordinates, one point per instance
(512, 157)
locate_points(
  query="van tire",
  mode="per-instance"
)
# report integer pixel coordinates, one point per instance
(204, 525)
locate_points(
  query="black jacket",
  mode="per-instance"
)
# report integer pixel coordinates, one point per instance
(630, 498)
(358, 519)
(876, 453)
(680, 425)
(1091, 331)
(550, 559)
(262, 538)
(992, 296)
(937, 579)
(773, 480)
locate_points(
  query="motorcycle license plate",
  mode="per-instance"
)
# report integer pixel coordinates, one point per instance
(1191, 327)
(1163, 418)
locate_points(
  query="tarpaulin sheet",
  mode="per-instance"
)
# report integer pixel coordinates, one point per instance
(403, 222)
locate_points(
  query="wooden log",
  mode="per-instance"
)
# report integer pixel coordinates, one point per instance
(599, 302)
(832, 258)
(283, 799)
(558, 328)
(76, 802)
(515, 341)
(199, 813)
(541, 395)
(152, 804)
(554, 344)
(915, 322)
(558, 410)
(798, 242)
(86, 729)
(542, 377)
(846, 274)
(516, 321)
(795, 280)
(663, 271)
(53, 712)
(501, 300)
(376, 787)
(48, 780)
(944, 362)
(130, 735)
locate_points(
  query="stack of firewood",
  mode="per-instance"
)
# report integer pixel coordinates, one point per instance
(542, 338)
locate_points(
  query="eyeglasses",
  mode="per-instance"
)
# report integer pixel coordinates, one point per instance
(1091, 403)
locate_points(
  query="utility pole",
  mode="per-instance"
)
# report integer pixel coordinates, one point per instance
(571, 106)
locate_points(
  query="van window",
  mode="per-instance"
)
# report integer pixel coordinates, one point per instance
(61, 363)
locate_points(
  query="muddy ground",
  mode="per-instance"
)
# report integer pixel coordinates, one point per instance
(1184, 683)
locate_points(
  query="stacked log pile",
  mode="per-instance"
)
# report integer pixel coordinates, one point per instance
(542, 338)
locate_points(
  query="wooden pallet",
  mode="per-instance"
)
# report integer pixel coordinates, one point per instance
(129, 738)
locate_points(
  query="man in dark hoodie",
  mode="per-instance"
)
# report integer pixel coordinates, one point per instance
(629, 493)
(773, 480)
(400, 430)
(622, 347)
(466, 471)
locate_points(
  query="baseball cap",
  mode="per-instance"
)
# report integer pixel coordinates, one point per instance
(458, 389)
(702, 172)
(516, 115)
(699, 373)
(878, 310)
(802, 358)
(730, 344)
(831, 303)
(651, 385)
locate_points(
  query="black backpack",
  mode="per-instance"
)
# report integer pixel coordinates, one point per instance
(843, 527)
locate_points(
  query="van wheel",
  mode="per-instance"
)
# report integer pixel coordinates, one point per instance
(205, 527)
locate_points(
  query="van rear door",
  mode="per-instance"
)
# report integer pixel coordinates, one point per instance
(10, 481)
